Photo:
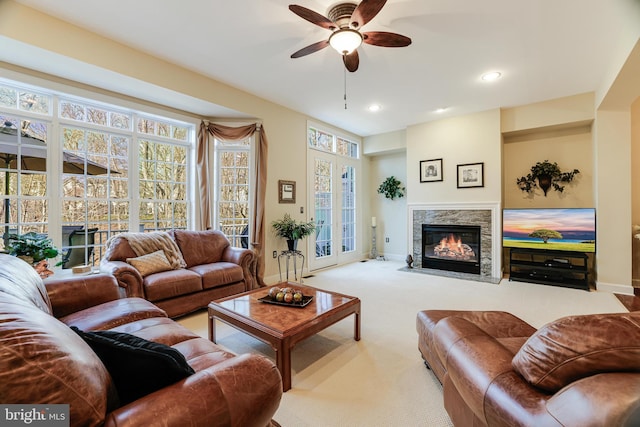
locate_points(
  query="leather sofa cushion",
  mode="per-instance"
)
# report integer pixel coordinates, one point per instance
(218, 274)
(65, 370)
(170, 284)
(154, 262)
(137, 366)
(562, 351)
(201, 247)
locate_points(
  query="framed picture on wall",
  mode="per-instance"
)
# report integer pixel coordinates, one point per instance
(471, 175)
(286, 191)
(431, 170)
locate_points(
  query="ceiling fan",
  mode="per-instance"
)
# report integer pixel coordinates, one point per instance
(344, 21)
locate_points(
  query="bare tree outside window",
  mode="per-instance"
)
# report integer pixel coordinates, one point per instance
(233, 190)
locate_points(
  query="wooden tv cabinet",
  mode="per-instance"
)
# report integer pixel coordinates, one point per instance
(549, 267)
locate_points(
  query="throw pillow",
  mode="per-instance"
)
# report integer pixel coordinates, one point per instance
(575, 347)
(151, 263)
(137, 366)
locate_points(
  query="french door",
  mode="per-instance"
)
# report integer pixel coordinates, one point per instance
(332, 193)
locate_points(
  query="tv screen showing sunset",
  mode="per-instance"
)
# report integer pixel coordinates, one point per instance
(551, 229)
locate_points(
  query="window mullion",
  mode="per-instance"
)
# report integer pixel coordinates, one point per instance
(54, 172)
(133, 195)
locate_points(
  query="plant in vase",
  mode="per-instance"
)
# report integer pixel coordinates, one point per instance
(391, 188)
(545, 175)
(292, 230)
(34, 249)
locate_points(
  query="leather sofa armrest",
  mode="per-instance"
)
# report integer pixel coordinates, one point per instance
(127, 276)
(244, 258)
(611, 399)
(474, 360)
(243, 391)
(73, 294)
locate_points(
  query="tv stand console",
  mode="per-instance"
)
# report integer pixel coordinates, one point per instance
(548, 267)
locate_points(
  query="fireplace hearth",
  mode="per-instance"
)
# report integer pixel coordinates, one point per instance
(451, 248)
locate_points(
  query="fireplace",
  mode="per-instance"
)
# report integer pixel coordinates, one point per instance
(451, 247)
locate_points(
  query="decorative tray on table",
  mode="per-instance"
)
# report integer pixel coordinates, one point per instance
(305, 301)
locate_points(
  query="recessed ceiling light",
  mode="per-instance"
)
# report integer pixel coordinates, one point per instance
(441, 110)
(374, 107)
(491, 76)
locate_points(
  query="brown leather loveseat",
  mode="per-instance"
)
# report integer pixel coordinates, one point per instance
(211, 269)
(44, 361)
(497, 370)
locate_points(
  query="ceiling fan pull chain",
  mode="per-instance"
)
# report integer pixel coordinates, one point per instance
(345, 88)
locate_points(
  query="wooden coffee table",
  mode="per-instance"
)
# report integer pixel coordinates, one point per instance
(283, 327)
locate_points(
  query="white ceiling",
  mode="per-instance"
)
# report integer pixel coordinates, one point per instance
(544, 49)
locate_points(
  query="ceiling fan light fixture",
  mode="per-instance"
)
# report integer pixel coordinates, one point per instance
(345, 40)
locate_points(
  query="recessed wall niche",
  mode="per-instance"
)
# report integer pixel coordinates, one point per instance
(569, 145)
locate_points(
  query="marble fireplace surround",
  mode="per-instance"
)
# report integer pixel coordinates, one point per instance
(485, 215)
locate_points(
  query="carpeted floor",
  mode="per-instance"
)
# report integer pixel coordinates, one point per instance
(381, 380)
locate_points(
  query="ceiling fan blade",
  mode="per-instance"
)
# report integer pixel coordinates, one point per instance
(384, 39)
(313, 17)
(310, 49)
(351, 61)
(365, 12)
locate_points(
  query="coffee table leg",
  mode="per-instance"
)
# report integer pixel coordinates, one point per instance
(283, 362)
(356, 326)
(212, 329)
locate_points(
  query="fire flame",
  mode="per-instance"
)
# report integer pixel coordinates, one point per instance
(452, 243)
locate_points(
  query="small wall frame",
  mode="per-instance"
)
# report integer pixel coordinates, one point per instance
(471, 175)
(286, 191)
(431, 170)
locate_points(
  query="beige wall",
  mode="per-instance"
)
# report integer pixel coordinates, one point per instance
(391, 221)
(386, 143)
(571, 148)
(548, 114)
(635, 189)
(613, 197)
(473, 138)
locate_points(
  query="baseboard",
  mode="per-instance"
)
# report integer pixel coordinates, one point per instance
(394, 257)
(614, 288)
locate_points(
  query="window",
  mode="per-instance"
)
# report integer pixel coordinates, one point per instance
(233, 191)
(163, 185)
(25, 117)
(79, 180)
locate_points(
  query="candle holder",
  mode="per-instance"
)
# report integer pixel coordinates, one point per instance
(374, 250)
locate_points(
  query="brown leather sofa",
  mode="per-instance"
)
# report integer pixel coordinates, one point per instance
(214, 269)
(43, 361)
(497, 370)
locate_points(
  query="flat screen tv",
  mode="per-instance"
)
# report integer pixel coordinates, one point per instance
(550, 229)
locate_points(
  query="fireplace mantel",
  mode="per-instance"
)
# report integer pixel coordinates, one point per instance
(487, 215)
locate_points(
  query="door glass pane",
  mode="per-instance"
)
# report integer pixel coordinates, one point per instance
(323, 207)
(348, 209)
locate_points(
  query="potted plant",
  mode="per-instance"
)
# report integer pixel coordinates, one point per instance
(292, 230)
(391, 188)
(34, 249)
(547, 175)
